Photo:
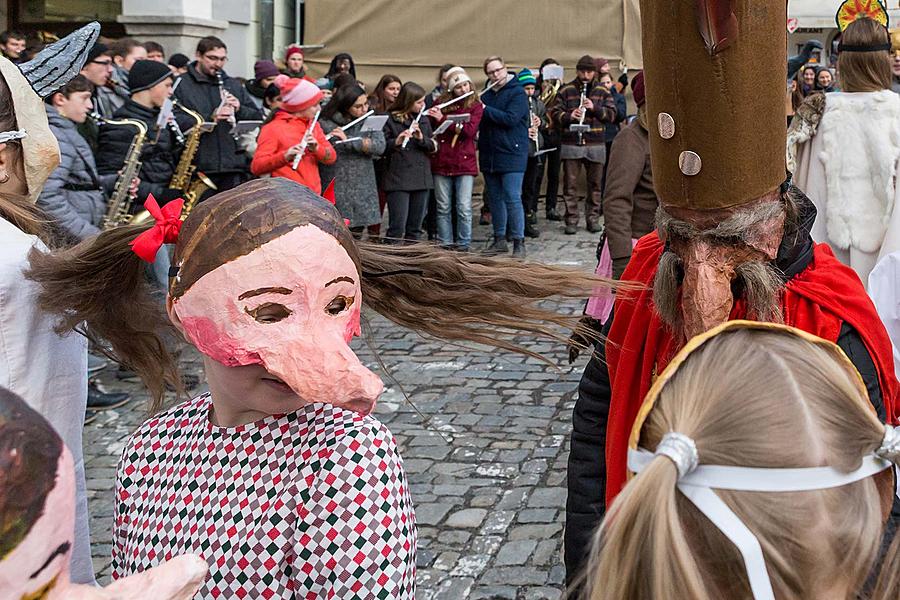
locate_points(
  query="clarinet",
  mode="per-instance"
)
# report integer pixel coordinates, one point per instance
(581, 120)
(222, 92)
(537, 142)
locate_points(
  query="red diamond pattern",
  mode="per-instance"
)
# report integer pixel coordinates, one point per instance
(251, 502)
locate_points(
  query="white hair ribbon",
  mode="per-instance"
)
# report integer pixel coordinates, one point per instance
(8, 136)
(698, 485)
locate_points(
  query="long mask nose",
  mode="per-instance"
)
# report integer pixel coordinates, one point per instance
(706, 298)
(324, 369)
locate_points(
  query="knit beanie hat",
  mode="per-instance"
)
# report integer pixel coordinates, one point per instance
(458, 77)
(264, 68)
(97, 50)
(292, 50)
(144, 74)
(526, 77)
(586, 63)
(600, 63)
(178, 60)
(297, 94)
(637, 88)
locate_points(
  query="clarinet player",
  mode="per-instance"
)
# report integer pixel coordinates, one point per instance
(583, 101)
(207, 89)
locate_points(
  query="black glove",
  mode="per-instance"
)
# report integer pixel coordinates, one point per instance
(583, 339)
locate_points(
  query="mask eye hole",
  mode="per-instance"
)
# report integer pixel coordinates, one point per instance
(269, 312)
(339, 305)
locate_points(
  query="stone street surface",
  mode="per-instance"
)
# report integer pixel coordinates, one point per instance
(486, 464)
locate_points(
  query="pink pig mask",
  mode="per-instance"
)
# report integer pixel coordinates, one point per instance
(292, 305)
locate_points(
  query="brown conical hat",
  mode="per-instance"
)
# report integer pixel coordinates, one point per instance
(715, 75)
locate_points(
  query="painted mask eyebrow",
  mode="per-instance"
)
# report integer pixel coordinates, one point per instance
(339, 280)
(265, 290)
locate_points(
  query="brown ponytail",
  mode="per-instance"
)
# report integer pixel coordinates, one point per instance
(490, 301)
(100, 287)
(471, 298)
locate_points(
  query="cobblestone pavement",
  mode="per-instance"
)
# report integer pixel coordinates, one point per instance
(486, 466)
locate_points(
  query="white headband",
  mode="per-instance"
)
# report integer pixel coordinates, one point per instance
(8, 136)
(697, 482)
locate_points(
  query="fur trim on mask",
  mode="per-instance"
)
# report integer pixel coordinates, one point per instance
(861, 146)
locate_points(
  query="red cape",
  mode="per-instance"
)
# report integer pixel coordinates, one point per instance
(818, 300)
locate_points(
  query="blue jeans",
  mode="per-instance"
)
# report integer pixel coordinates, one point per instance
(443, 191)
(505, 198)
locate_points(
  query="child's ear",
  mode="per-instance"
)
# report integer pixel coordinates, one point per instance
(173, 316)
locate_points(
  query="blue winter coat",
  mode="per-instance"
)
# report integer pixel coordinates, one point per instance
(503, 134)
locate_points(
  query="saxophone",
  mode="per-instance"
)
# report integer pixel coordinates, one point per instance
(119, 207)
(181, 178)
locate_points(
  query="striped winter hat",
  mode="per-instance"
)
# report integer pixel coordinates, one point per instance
(526, 77)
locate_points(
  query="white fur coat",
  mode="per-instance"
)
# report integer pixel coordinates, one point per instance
(849, 168)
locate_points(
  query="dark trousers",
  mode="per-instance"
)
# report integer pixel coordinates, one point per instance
(593, 197)
(552, 161)
(531, 184)
(406, 211)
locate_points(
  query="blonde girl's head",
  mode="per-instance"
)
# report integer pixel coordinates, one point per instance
(750, 398)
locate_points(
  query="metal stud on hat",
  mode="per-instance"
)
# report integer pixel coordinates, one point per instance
(666, 125)
(689, 163)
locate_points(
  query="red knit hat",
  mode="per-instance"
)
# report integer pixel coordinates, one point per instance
(291, 50)
(637, 88)
(297, 94)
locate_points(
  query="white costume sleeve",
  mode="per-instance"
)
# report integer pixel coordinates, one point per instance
(48, 371)
(884, 289)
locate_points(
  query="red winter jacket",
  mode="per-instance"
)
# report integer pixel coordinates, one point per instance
(459, 158)
(279, 134)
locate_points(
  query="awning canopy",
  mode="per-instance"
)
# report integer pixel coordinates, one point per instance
(819, 14)
(412, 38)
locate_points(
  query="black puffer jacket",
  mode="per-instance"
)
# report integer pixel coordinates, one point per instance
(586, 474)
(159, 155)
(219, 152)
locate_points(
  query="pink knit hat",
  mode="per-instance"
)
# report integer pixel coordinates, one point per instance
(297, 94)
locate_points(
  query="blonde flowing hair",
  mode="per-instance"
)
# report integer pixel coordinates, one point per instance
(764, 399)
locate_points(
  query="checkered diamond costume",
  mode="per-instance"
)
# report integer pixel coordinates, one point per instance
(313, 504)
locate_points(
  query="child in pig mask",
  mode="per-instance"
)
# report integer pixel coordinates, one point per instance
(278, 477)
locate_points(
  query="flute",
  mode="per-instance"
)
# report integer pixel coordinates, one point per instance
(455, 100)
(350, 124)
(305, 141)
(485, 90)
(411, 126)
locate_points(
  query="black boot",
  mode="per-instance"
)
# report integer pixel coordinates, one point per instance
(518, 249)
(499, 246)
(531, 218)
(552, 215)
(100, 400)
(530, 230)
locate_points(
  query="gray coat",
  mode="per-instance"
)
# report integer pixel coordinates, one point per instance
(75, 194)
(356, 193)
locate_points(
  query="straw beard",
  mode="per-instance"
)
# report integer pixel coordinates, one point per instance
(757, 281)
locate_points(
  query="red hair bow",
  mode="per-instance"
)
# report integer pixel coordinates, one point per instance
(164, 231)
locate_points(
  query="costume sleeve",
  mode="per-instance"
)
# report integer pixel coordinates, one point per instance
(269, 156)
(126, 475)
(626, 166)
(356, 535)
(852, 345)
(586, 470)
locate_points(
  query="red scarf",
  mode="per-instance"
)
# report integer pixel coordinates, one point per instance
(818, 300)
